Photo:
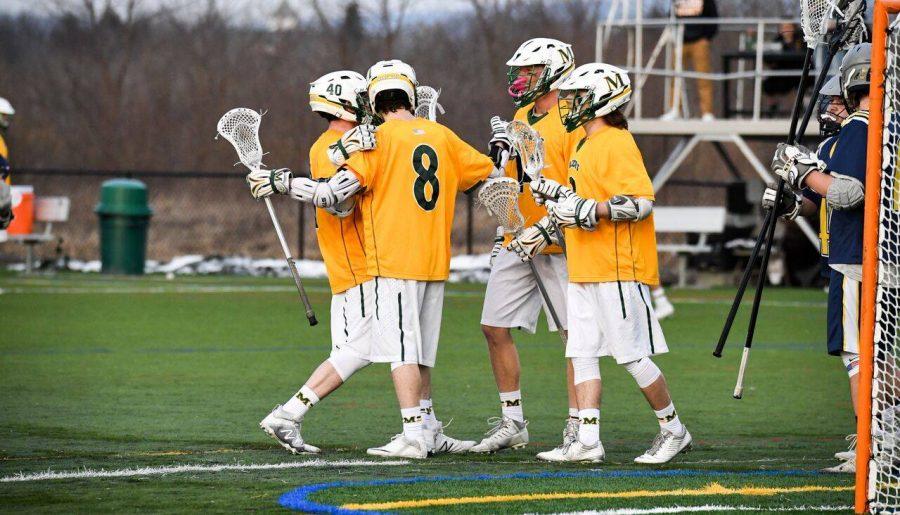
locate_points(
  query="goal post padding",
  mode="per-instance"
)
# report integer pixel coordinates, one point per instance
(880, 292)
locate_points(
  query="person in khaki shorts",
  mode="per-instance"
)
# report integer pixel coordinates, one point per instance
(695, 49)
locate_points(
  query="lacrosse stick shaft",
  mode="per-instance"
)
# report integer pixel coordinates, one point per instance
(769, 220)
(739, 386)
(310, 315)
(550, 308)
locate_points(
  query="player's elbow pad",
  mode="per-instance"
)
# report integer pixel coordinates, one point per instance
(845, 192)
(341, 186)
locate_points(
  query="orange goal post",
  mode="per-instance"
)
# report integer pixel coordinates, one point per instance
(878, 426)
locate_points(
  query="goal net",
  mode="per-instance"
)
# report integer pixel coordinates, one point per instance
(878, 447)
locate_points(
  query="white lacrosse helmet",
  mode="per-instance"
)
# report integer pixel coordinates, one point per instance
(591, 91)
(6, 110)
(336, 93)
(392, 74)
(558, 61)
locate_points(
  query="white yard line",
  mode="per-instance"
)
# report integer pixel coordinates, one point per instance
(704, 508)
(178, 469)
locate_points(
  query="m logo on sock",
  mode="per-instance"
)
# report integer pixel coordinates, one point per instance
(412, 420)
(303, 399)
(669, 418)
(590, 420)
(511, 403)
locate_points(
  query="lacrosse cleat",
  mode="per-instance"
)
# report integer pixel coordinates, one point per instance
(665, 446)
(506, 434)
(570, 435)
(280, 426)
(662, 307)
(401, 447)
(844, 467)
(438, 443)
(579, 453)
(850, 453)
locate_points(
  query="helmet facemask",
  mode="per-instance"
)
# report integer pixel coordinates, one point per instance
(576, 108)
(832, 113)
(528, 82)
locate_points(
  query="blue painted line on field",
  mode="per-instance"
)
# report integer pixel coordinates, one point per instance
(298, 499)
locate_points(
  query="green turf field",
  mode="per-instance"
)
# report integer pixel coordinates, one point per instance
(102, 374)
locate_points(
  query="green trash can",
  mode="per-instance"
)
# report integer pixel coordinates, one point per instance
(124, 218)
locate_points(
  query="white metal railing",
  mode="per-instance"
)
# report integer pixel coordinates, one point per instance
(668, 49)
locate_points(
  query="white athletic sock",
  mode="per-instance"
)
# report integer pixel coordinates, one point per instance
(589, 426)
(511, 405)
(573, 413)
(300, 403)
(668, 419)
(412, 422)
(428, 417)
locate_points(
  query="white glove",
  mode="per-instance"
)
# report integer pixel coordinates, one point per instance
(359, 138)
(791, 202)
(499, 148)
(342, 209)
(531, 241)
(573, 211)
(264, 183)
(6, 214)
(624, 208)
(793, 163)
(498, 244)
(548, 189)
(498, 133)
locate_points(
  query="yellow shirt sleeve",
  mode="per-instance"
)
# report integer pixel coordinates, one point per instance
(472, 166)
(627, 165)
(364, 166)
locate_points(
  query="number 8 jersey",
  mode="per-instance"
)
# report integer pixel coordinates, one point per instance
(411, 179)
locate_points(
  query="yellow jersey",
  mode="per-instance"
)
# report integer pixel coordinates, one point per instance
(411, 180)
(605, 164)
(558, 148)
(4, 153)
(340, 239)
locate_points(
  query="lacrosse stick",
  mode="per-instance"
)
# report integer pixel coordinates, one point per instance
(501, 198)
(240, 127)
(427, 105)
(815, 18)
(529, 146)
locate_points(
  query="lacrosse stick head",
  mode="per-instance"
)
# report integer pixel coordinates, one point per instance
(240, 127)
(426, 103)
(529, 145)
(501, 198)
(816, 17)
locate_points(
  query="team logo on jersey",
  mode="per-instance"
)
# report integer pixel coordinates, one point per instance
(418, 132)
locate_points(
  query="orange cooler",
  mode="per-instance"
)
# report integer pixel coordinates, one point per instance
(23, 210)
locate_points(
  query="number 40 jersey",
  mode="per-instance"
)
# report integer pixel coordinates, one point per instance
(411, 180)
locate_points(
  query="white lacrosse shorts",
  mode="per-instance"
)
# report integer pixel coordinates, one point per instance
(613, 319)
(512, 298)
(407, 320)
(351, 320)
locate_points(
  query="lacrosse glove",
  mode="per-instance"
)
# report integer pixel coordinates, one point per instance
(547, 189)
(573, 211)
(534, 239)
(793, 163)
(790, 205)
(359, 138)
(264, 183)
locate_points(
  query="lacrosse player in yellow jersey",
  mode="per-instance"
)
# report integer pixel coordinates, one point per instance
(339, 230)
(512, 299)
(407, 192)
(611, 245)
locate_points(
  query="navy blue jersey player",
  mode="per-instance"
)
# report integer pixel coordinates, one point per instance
(834, 177)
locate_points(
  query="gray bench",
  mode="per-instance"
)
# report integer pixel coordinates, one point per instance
(702, 221)
(47, 210)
